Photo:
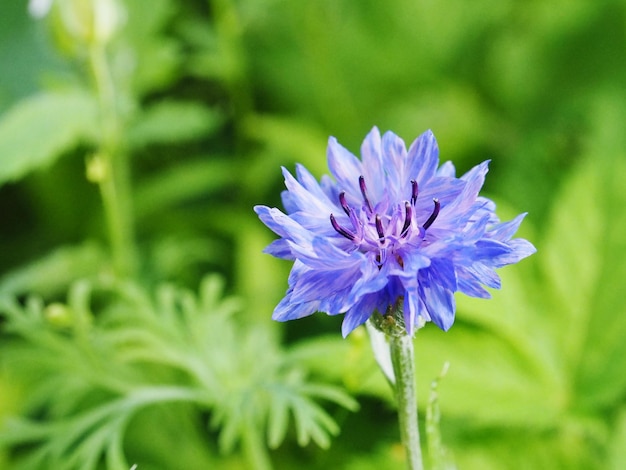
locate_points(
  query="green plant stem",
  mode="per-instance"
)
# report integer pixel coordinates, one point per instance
(254, 450)
(114, 178)
(234, 65)
(403, 361)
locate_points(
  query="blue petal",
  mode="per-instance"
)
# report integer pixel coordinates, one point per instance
(423, 158)
(412, 262)
(447, 169)
(506, 230)
(394, 164)
(359, 314)
(414, 310)
(288, 310)
(305, 199)
(519, 249)
(374, 168)
(445, 189)
(442, 270)
(484, 274)
(315, 284)
(371, 280)
(468, 284)
(308, 181)
(474, 180)
(322, 254)
(487, 248)
(344, 166)
(438, 300)
(283, 225)
(409, 311)
(280, 249)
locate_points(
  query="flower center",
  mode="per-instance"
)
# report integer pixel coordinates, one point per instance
(378, 232)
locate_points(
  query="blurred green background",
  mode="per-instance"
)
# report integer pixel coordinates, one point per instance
(136, 136)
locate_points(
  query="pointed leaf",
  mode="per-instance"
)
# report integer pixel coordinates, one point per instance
(36, 131)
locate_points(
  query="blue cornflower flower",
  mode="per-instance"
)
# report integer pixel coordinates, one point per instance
(392, 230)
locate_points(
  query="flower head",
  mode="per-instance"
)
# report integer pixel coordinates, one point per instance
(391, 230)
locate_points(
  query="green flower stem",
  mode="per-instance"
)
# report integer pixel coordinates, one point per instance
(110, 167)
(403, 362)
(254, 450)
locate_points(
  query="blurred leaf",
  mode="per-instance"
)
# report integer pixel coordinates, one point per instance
(37, 130)
(583, 249)
(54, 272)
(358, 370)
(617, 446)
(259, 290)
(548, 350)
(489, 380)
(99, 369)
(292, 141)
(173, 121)
(183, 257)
(185, 181)
(91, 375)
(156, 57)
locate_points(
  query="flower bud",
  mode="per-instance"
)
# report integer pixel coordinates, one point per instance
(86, 22)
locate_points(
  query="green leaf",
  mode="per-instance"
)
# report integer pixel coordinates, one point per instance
(158, 57)
(36, 131)
(584, 262)
(489, 379)
(55, 271)
(617, 448)
(277, 421)
(185, 181)
(173, 121)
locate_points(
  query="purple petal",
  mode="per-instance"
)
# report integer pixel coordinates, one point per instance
(283, 225)
(344, 166)
(288, 310)
(423, 158)
(374, 168)
(438, 300)
(520, 249)
(447, 169)
(398, 179)
(506, 230)
(280, 249)
(359, 314)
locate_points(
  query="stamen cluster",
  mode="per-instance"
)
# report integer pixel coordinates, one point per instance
(387, 238)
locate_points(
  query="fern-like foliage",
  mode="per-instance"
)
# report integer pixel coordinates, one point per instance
(90, 366)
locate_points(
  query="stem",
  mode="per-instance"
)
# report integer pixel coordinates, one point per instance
(114, 179)
(234, 62)
(403, 362)
(254, 450)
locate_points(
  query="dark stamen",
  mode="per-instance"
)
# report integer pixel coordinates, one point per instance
(364, 193)
(379, 229)
(408, 214)
(413, 192)
(344, 203)
(434, 215)
(340, 230)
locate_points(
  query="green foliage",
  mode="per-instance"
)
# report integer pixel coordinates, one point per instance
(37, 130)
(138, 352)
(52, 273)
(548, 349)
(170, 121)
